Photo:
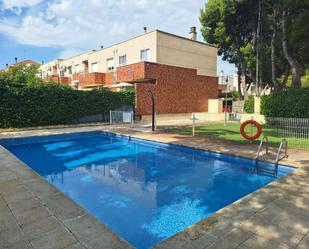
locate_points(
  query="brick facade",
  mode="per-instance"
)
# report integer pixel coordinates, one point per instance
(57, 79)
(89, 79)
(131, 72)
(177, 89)
(109, 78)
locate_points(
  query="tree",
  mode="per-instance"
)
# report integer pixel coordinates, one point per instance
(20, 76)
(289, 39)
(229, 24)
(282, 44)
(294, 17)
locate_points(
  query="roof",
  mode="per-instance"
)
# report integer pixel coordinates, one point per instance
(21, 63)
(26, 62)
(185, 38)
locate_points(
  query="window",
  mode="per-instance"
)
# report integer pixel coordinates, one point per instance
(77, 68)
(62, 71)
(122, 60)
(145, 54)
(94, 67)
(70, 70)
(110, 64)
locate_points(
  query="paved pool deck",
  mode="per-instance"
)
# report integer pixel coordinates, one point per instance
(34, 214)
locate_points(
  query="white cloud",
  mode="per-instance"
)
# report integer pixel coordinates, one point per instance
(86, 24)
(16, 5)
(69, 52)
(79, 25)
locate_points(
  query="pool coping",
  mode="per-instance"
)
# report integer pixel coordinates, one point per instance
(200, 235)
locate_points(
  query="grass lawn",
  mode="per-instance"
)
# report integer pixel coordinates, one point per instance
(231, 132)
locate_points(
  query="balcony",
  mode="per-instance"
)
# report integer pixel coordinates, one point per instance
(58, 79)
(89, 80)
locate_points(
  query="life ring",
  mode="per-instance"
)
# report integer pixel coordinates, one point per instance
(256, 124)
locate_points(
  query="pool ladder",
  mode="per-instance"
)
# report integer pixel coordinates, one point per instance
(273, 171)
(285, 143)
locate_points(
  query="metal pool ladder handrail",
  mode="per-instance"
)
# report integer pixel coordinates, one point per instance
(285, 142)
(264, 139)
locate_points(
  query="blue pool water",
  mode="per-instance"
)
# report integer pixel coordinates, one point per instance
(144, 191)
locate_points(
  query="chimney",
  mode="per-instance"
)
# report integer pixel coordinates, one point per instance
(15, 60)
(192, 34)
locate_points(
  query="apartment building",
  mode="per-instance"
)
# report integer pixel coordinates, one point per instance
(181, 72)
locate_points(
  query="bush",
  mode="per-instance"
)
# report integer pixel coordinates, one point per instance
(51, 104)
(292, 103)
(249, 105)
(235, 95)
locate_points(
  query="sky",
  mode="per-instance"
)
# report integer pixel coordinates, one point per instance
(43, 30)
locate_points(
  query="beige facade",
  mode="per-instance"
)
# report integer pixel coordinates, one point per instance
(156, 46)
(176, 51)
(215, 105)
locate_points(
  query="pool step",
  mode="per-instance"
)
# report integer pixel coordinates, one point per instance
(270, 170)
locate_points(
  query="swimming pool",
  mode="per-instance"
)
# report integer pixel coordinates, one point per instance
(144, 191)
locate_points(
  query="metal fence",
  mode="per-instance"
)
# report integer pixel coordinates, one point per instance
(121, 117)
(295, 130)
(226, 126)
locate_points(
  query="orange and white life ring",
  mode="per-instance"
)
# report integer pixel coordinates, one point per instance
(256, 124)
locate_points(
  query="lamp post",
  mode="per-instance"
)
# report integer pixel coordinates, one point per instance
(226, 108)
(151, 95)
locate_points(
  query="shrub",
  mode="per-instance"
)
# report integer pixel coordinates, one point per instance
(292, 103)
(235, 95)
(249, 105)
(51, 104)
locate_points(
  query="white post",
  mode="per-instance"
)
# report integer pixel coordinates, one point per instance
(110, 117)
(257, 105)
(193, 124)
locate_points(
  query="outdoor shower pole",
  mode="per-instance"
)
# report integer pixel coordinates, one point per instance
(150, 93)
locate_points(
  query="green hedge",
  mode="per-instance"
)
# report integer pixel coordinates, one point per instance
(52, 104)
(292, 103)
(249, 105)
